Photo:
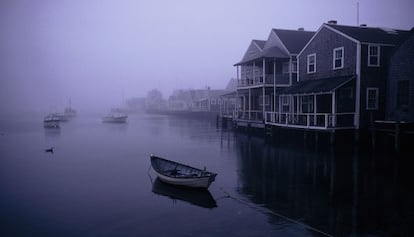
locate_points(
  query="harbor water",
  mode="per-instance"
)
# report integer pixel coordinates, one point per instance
(98, 182)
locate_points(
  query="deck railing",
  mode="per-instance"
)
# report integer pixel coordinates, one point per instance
(311, 120)
(255, 115)
(281, 79)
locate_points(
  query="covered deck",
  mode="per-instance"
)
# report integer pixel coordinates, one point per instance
(323, 104)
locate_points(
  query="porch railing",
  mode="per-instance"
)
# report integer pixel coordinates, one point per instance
(255, 115)
(311, 120)
(281, 79)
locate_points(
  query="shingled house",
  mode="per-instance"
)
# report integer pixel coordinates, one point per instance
(266, 68)
(341, 79)
(400, 86)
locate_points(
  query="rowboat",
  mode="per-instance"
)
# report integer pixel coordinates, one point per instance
(195, 196)
(179, 174)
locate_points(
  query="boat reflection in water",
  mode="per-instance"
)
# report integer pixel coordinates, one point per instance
(197, 197)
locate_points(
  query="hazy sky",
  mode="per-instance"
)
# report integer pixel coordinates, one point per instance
(99, 51)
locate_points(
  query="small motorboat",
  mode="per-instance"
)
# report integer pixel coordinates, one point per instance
(51, 121)
(179, 174)
(115, 116)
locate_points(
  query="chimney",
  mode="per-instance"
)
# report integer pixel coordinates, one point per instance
(332, 22)
(301, 29)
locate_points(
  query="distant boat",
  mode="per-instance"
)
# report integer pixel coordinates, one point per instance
(115, 116)
(62, 117)
(179, 174)
(51, 121)
(70, 112)
(195, 196)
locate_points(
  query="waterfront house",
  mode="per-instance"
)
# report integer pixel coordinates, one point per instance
(400, 91)
(341, 80)
(200, 100)
(265, 69)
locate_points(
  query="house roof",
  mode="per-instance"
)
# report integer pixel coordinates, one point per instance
(317, 86)
(260, 43)
(294, 40)
(253, 52)
(371, 34)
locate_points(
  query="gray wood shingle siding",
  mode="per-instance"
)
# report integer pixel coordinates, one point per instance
(323, 45)
(401, 68)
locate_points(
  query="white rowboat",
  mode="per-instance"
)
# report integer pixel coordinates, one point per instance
(179, 174)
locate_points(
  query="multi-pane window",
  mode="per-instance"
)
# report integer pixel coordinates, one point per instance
(285, 103)
(403, 93)
(338, 58)
(311, 63)
(307, 104)
(372, 98)
(373, 55)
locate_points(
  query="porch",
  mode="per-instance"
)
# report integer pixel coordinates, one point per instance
(315, 121)
(323, 104)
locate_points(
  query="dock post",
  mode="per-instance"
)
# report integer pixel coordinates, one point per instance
(397, 136)
(356, 136)
(332, 138)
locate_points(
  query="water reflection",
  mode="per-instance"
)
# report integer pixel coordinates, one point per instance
(341, 191)
(52, 132)
(197, 197)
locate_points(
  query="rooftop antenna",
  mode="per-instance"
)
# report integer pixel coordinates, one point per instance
(358, 13)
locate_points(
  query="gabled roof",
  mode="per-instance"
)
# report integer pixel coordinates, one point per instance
(317, 86)
(260, 43)
(294, 40)
(376, 35)
(253, 51)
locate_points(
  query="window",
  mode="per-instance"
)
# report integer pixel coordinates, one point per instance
(403, 93)
(294, 66)
(372, 98)
(285, 67)
(307, 104)
(338, 58)
(373, 55)
(311, 63)
(285, 103)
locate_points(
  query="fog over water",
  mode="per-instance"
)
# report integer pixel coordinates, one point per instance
(99, 52)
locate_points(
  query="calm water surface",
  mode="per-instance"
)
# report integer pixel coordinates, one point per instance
(98, 183)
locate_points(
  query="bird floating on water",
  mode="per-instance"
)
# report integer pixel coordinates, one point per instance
(49, 150)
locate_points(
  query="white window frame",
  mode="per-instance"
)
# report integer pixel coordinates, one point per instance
(368, 106)
(285, 103)
(378, 55)
(334, 58)
(309, 64)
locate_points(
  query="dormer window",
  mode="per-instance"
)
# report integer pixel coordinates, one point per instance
(311, 63)
(338, 58)
(373, 55)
